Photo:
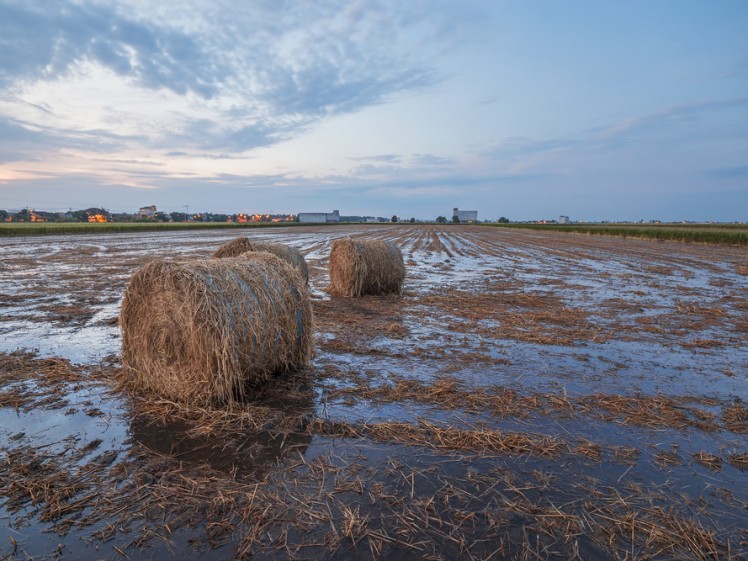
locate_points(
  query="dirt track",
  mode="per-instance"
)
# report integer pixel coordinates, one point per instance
(531, 395)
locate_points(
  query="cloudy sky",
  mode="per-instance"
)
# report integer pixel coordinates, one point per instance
(596, 109)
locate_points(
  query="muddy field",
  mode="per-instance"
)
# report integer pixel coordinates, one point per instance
(531, 396)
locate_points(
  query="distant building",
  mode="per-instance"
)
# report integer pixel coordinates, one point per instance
(147, 211)
(465, 215)
(317, 217)
(358, 218)
(564, 220)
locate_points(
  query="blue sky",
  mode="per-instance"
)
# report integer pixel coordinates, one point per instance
(600, 110)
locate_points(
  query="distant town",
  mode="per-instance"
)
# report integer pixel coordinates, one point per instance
(152, 214)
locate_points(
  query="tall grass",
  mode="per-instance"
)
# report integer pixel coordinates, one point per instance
(725, 234)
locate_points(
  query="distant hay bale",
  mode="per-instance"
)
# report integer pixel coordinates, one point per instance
(235, 247)
(208, 331)
(359, 267)
(241, 245)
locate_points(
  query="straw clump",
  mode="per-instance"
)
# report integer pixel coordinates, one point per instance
(241, 245)
(209, 331)
(359, 267)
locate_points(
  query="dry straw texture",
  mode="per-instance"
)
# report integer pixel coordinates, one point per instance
(359, 267)
(208, 331)
(240, 245)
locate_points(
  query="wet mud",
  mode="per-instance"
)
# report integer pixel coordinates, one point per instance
(531, 395)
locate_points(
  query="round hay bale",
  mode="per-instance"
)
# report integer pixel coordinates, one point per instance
(207, 331)
(234, 248)
(359, 267)
(241, 245)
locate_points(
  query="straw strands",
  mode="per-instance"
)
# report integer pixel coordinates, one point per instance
(359, 267)
(240, 245)
(208, 331)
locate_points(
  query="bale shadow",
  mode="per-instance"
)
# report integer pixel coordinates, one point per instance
(242, 455)
(248, 441)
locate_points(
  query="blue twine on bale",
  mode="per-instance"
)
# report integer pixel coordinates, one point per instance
(274, 302)
(228, 304)
(244, 306)
(247, 295)
(235, 308)
(274, 295)
(299, 323)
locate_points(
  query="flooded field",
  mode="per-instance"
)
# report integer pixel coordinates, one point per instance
(531, 395)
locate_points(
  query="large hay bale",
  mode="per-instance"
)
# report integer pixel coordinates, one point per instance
(207, 331)
(359, 267)
(240, 245)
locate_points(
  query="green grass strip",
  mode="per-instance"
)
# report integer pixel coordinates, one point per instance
(722, 234)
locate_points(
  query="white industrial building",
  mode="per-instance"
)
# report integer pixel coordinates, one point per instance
(466, 215)
(317, 217)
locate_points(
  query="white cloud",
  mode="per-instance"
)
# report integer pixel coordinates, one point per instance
(363, 102)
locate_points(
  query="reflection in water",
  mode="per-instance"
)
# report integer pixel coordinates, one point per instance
(250, 454)
(244, 453)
